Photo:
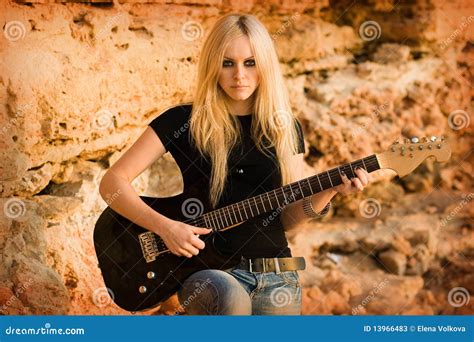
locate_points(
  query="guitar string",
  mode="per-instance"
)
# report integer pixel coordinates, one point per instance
(373, 162)
(245, 204)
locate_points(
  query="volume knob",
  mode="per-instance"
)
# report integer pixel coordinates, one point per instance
(142, 289)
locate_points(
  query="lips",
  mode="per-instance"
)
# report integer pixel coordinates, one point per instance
(239, 87)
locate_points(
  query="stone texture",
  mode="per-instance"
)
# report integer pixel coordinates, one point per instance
(80, 84)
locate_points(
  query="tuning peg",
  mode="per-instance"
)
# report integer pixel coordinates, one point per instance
(414, 140)
(433, 138)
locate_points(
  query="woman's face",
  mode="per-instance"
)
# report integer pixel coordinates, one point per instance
(238, 76)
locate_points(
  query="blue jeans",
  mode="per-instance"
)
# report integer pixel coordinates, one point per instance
(240, 292)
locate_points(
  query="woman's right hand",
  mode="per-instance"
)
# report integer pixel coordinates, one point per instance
(183, 239)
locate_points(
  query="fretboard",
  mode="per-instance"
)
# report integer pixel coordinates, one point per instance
(239, 212)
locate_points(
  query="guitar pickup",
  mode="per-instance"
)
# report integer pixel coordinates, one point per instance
(148, 245)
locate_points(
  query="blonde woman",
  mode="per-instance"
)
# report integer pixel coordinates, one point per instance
(236, 140)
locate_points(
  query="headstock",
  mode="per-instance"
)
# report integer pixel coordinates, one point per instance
(404, 157)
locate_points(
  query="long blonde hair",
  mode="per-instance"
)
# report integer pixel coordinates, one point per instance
(215, 131)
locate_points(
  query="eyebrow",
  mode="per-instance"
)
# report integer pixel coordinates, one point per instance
(233, 60)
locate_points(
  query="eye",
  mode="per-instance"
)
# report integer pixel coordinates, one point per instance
(250, 62)
(227, 63)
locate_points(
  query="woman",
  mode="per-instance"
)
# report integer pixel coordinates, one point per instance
(238, 139)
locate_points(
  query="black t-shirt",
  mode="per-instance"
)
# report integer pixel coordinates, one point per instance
(250, 173)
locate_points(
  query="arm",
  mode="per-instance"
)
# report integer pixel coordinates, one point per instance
(293, 215)
(116, 189)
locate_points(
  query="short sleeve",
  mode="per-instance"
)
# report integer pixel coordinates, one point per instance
(301, 147)
(171, 125)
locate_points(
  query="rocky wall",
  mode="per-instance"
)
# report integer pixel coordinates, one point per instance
(79, 82)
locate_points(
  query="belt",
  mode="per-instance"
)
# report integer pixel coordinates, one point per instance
(276, 265)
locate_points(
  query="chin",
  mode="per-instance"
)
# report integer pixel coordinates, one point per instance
(240, 97)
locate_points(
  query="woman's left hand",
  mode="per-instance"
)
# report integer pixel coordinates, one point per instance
(355, 184)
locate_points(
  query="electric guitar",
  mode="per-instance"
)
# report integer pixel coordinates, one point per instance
(140, 272)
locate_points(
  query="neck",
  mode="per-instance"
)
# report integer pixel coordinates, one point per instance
(233, 214)
(240, 108)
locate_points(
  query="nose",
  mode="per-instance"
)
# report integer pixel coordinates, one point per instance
(239, 72)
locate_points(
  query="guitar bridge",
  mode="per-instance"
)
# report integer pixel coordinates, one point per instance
(148, 245)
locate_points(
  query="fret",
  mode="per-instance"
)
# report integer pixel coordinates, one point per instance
(285, 201)
(301, 190)
(220, 218)
(245, 211)
(233, 210)
(292, 194)
(365, 167)
(319, 181)
(269, 201)
(225, 216)
(277, 198)
(263, 203)
(329, 178)
(205, 221)
(310, 187)
(250, 206)
(352, 170)
(256, 206)
(230, 217)
(214, 219)
(240, 214)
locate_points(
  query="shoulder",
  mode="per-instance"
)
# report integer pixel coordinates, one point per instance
(177, 112)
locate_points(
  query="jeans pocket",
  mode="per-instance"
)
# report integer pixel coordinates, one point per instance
(291, 278)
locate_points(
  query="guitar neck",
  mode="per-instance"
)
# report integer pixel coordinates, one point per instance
(233, 214)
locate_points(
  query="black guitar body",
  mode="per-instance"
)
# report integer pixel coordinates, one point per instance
(135, 283)
(140, 272)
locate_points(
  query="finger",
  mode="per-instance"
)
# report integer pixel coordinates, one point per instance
(357, 184)
(198, 243)
(345, 179)
(197, 230)
(362, 177)
(191, 249)
(185, 253)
